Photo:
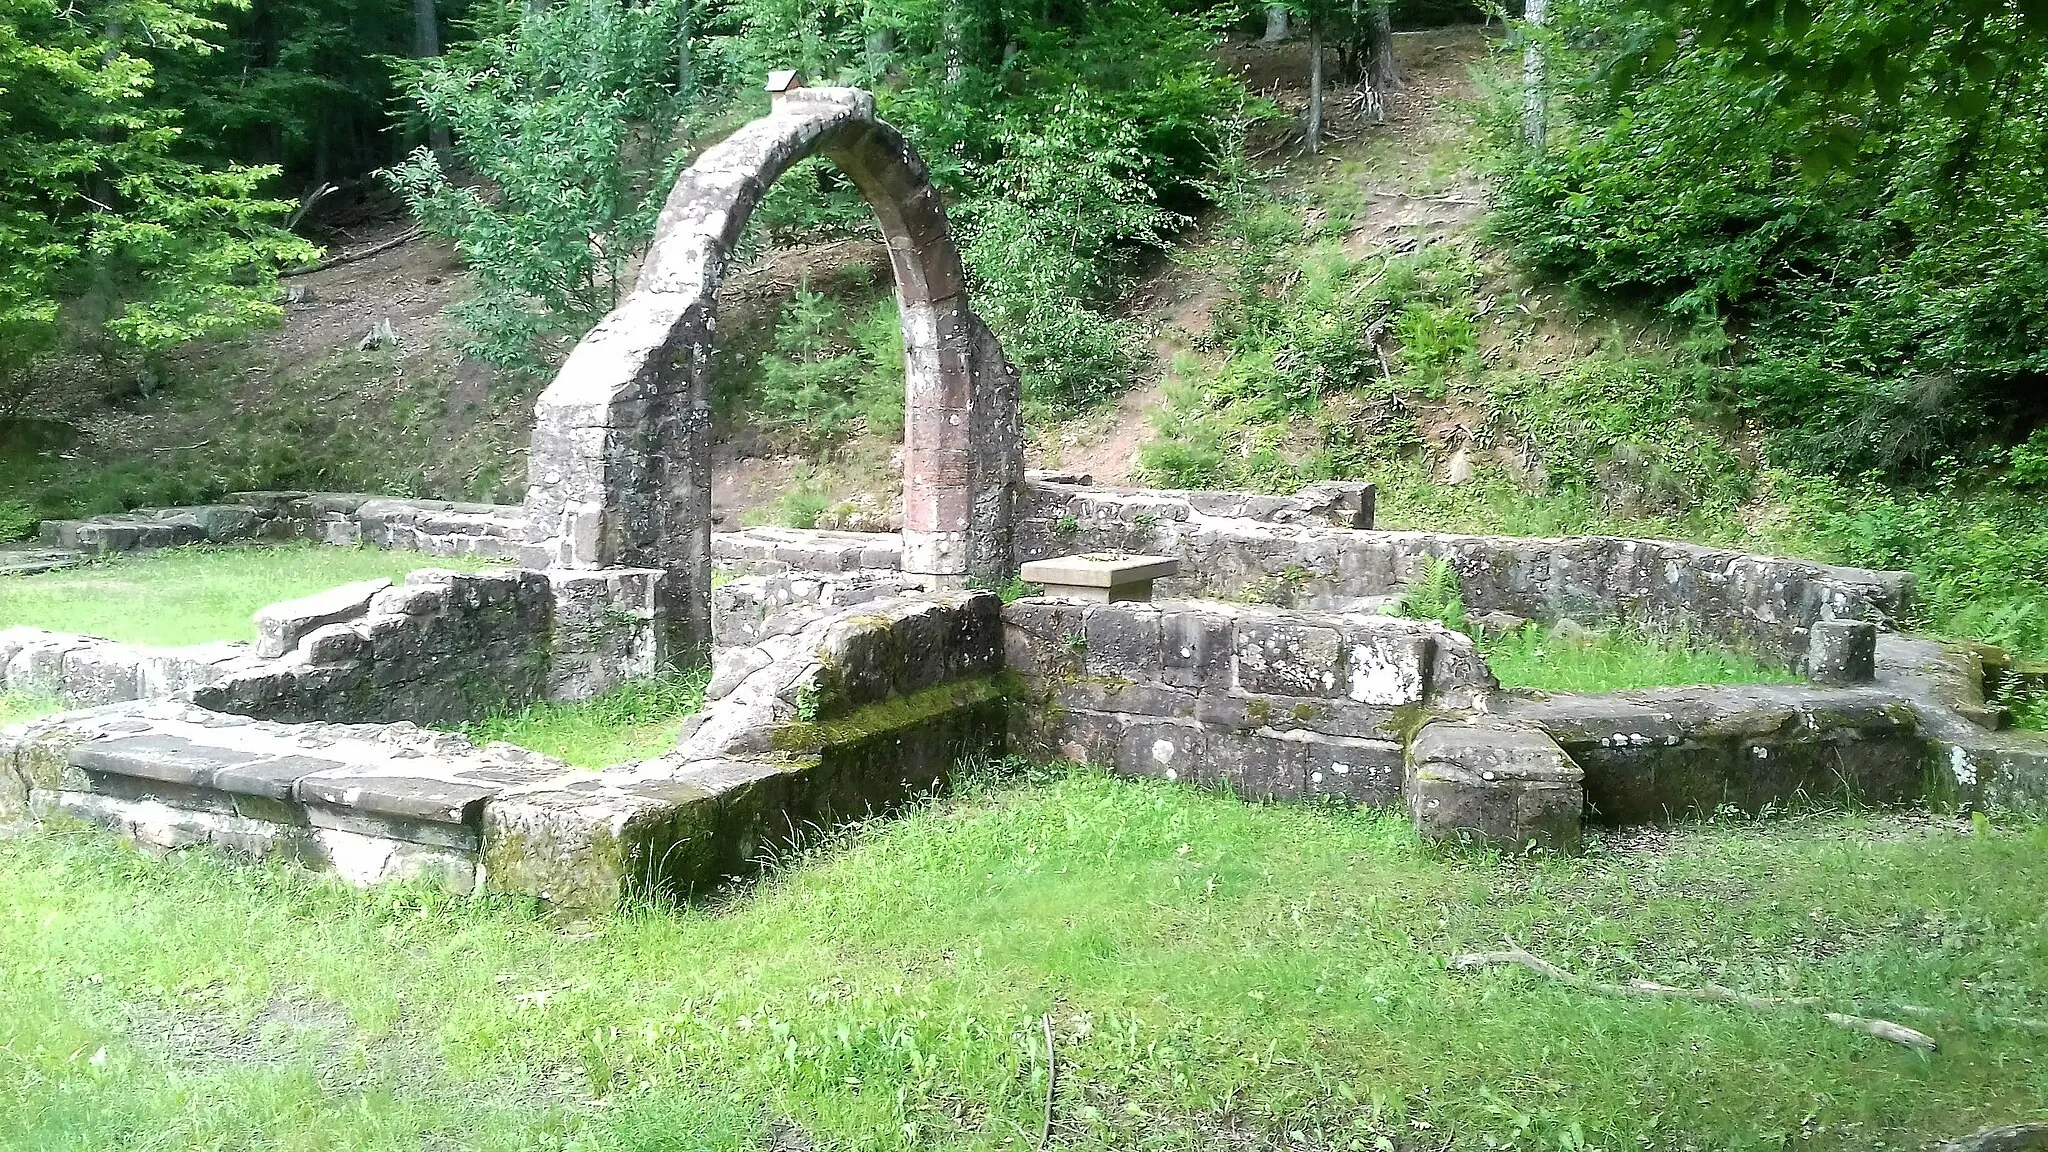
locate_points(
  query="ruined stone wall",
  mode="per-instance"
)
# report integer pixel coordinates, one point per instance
(1269, 703)
(442, 647)
(855, 712)
(435, 527)
(1764, 603)
(746, 610)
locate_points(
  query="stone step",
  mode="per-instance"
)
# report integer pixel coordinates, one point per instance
(371, 802)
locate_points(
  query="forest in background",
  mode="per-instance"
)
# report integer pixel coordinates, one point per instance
(1834, 213)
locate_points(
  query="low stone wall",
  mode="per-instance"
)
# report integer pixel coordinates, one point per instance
(369, 803)
(767, 551)
(1689, 753)
(1764, 603)
(853, 714)
(1269, 703)
(442, 647)
(863, 709)
(435, 527)
(748, 609)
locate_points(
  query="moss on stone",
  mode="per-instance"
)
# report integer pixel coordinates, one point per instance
(894, 714)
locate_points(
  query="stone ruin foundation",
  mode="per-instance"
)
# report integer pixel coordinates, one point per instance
(853, 672)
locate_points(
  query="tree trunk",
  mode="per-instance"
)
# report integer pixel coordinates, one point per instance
(1315, 84)
(1276, 26)
(1535, 105)
(955, 33)
(426, 44)
(1381, 71)
(686, 29)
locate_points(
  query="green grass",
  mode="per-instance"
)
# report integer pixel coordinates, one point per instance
(636, 721)
(194, 595)
(16, 707)
(1618, 661)
(1218, 975)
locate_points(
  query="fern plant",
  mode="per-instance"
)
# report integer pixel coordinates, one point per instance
(1439, 595)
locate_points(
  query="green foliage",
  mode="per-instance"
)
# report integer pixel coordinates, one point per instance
(572, 130)
(306, 85)
(18, 520)
(1438, 596)
(1070, 141)
(1889, 304)
(1618, 661)
(1319, 345)
(823, 379)
(103, 210)
(16, 707)
(1632, 433)
(1062, 198)
(1980, 554)
(638, 720)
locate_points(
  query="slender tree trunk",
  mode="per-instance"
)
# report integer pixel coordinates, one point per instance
(1315, 83)
(426, 43)
(1381, 71)
(686, 65)
(1535, 104)
(1276, 26)
(955, 33)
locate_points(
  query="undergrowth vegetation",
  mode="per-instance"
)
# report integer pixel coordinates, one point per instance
(1070, 140)
(1212, 972)
(1480, 399)
(194, 595)
(1570, 657)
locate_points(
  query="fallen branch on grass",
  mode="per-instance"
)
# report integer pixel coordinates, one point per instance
(2017, 1138)
(2020, 1023)
(1712, 993)
(351, 257)
(1051, 1078)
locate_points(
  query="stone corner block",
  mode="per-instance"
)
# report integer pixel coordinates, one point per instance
(280, 627)
(1504, 785)
(1842, 652)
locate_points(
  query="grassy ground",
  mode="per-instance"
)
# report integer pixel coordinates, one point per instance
(1217, 975)
(1617, 662)
(637, 721)
(193, 595)
(18, 706)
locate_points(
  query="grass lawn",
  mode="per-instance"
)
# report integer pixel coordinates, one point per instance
(194, 595)
(636, 721)
(1617, 661)
(16, 707)
(1217, 975)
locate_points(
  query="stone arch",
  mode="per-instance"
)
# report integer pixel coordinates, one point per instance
(620, 465)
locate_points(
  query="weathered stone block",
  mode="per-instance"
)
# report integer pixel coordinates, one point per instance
(1281, 657)
(1122, 640)
(280, 626)
(1500, 784)
(1195, 647)
(1044, 638)
(1842, 652)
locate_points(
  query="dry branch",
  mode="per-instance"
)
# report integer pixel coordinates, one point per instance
(1712, 993)
(2017, 1138)
(1051, 1078)
(351, 257)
